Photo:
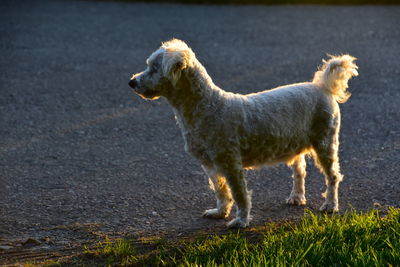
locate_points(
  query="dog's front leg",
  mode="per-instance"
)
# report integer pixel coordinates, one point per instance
(222, 193)
(235, 178)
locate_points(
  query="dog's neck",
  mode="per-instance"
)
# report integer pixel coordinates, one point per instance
(194, 90)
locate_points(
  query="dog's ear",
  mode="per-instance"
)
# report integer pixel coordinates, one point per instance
(173, 64)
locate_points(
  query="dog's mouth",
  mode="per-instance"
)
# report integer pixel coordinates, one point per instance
(146, 93)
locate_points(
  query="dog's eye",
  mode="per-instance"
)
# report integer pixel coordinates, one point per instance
(152, 71)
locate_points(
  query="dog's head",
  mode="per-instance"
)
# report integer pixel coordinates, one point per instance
(164, 69)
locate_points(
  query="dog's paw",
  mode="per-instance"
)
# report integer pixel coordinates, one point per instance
(214, 214)
(238, 223)
(296, 200)
(329, 207)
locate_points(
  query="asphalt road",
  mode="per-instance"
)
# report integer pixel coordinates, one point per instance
(81, 156)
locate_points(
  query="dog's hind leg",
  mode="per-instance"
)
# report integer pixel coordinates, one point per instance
(328, 161)
(223, 194)
(297, 196)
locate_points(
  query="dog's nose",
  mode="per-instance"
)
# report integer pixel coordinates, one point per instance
(133, 83)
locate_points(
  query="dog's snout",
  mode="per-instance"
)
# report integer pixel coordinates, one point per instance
(133, 83)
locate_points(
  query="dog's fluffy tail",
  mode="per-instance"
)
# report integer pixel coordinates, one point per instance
(334, 75)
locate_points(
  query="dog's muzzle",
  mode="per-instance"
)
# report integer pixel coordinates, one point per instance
(133, 83)
(142, 91)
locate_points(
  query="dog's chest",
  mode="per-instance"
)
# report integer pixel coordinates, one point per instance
(195, 142)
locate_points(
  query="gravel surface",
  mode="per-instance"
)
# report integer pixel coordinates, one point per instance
(81, 156)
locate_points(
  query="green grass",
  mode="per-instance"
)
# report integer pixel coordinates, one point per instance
(368, 239)
(120, 251)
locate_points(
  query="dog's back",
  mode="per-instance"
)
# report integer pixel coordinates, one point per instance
(281, 123)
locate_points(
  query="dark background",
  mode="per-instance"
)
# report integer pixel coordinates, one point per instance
(274, 2)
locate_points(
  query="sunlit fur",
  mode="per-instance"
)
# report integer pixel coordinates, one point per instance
(229, 132)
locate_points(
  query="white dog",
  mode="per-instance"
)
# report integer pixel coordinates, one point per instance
(230, 132)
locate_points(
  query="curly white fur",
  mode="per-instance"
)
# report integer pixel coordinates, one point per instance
(229, 132)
